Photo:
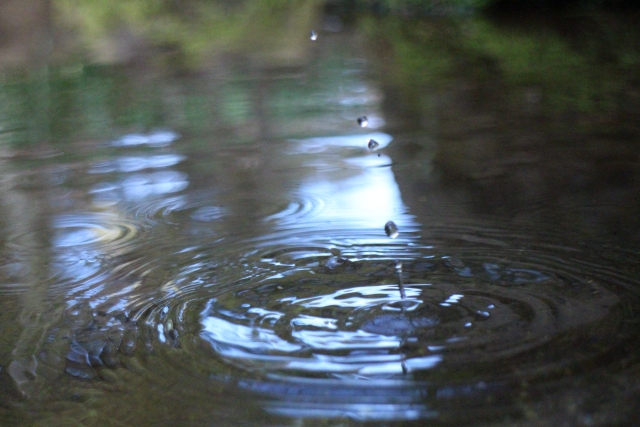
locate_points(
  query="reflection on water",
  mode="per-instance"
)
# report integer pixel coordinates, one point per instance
(255, 250)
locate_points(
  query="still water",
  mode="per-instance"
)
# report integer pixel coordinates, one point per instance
(315, 245)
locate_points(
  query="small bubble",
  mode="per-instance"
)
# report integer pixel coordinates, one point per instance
(391, 229)
(373, 144)
(363, 121)
(314, 36)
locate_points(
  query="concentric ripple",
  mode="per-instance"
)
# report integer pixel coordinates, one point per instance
(310, 305)
(301, 208)
(101, 229)
(84, 244)
(465, 320)
(297, 324)
(296, 321)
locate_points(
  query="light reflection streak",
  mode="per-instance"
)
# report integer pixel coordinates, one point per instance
(362, 195)
(351, 194)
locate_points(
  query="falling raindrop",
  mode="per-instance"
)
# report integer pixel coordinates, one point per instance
(314, 36)
(373, 144)
(363, 121)
(391, 229)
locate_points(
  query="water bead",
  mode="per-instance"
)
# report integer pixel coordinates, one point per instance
(391, 229)
(363, 121)
(373, 144)
(313, 36)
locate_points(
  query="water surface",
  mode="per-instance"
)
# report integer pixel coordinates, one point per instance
(198, 250)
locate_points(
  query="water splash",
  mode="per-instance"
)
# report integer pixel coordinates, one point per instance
(400, 281)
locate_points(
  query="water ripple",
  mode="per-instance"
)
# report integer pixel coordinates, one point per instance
(87, 229)
(297, 314)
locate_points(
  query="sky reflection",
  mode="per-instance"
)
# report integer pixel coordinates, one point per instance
(358, 189)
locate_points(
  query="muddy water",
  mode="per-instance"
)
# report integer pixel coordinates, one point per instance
(221, 253)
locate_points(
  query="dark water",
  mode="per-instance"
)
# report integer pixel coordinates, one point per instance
(214, 248)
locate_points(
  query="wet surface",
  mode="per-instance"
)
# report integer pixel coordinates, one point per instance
(281, 263)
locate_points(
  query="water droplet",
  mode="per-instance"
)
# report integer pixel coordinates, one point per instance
(391, 229)
(373, 144)
(314, 36)
(363, 121)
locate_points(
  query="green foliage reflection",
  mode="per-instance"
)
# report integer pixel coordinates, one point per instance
(194, 28)
(588, 70)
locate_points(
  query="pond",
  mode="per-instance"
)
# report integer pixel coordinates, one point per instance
(384, 220)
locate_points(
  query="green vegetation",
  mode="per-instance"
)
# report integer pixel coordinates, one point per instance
(194, 29)
(585, 65)
(592, 70)
(465, 7)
